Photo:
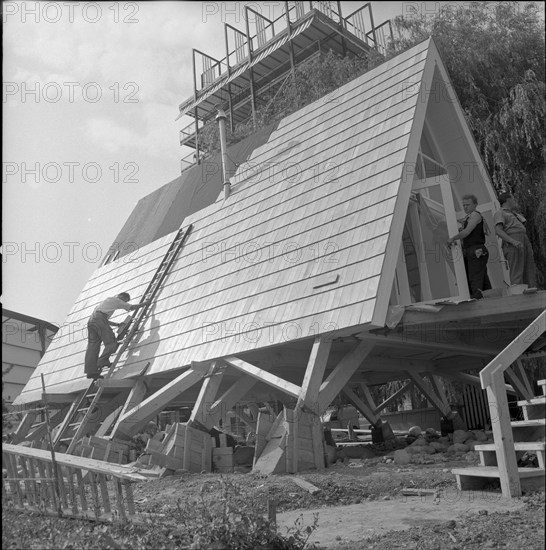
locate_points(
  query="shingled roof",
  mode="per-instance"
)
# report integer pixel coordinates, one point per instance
(306, 243)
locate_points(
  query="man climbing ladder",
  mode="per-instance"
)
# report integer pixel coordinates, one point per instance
(99, 331)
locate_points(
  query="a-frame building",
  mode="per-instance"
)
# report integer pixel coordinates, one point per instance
(325, 269)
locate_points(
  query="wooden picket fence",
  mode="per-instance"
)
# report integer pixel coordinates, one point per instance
(71, 486)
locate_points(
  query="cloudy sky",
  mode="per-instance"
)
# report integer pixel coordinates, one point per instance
(90, 97)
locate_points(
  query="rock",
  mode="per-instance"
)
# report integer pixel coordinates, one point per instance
(428, 449)
(459, 436)
(470, 436)
(420, 441)
(401, 456)
(480, 435)
(471, 443)
(413, 450)
(445, 440)
(415, 431)
(458, 448)
(431, 431)
(471, 456)
(440, 447)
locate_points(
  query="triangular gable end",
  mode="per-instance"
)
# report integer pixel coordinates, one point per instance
(442, 165)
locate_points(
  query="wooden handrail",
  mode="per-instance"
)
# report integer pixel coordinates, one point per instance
(513, 350)
(492, 380)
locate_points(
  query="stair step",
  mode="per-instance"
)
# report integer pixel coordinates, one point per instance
(541, 382)
(528, 423)
(534, 401)
(478, 477)
(519, 446)
(493, 471)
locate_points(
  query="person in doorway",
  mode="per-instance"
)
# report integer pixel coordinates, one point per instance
(475, 252)
(99, 331)
(510, 227)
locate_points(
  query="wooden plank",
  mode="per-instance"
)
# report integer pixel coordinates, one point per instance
(24, 426)
(263, 427)
(62, 485)
(124, 472)
(104, 493)
(119, 499)
(133, 419)
(309, 487)
(129, 498)
(504, 440)
(314, 373)
(342, 374)
(206, 396)
(93, 482)
(71, 490)
(81, 489)
(116, 383)
(264, 376)
(10, 462)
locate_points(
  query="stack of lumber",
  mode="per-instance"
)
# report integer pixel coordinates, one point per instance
(100, 448)
(290, 443)
(183, 447)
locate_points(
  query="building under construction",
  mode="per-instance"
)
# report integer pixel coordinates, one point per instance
(274, 291)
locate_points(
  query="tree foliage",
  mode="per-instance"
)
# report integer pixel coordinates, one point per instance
(494, 53)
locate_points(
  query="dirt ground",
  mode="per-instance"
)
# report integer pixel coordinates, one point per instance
(361, 501)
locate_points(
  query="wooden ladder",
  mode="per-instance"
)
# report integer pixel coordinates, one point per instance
(76, 421)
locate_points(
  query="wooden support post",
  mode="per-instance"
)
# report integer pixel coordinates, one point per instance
(524, 377)
(133, 419)
(361, 406)
(438, 386)
(520, 388)
(230, 397)
(314, 373)
(264, 376)
(504, 440)
(207, 394)
(404, 389)
(136, 394)
(342, 374)
(428, 392)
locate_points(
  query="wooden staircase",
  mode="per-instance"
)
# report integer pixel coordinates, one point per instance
(512, 438)
(528, 436)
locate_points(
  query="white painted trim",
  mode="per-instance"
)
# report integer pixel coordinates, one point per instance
(452, 227)
(401, 207)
